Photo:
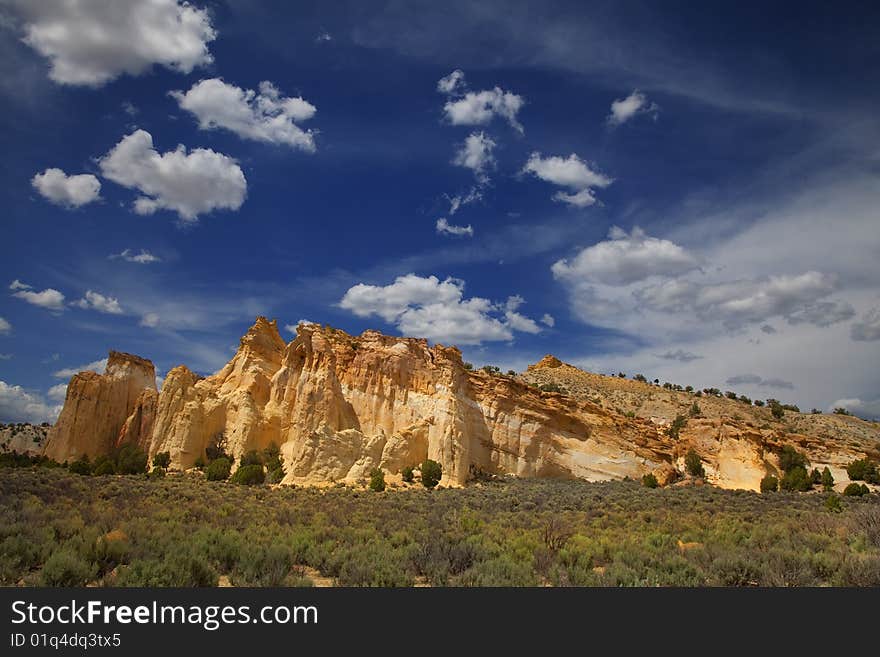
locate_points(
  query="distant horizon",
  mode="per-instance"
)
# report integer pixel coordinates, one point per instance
(686, 193)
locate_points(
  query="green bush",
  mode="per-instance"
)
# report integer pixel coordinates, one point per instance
(769, 484)
(377, 480)
(249, 475)
(157, 473)
(855, 490)
(251, 458)
(796, 479)
(650, 481)
(776, 409)
(66, 568)
(863, 470)
(218, 469)
(816, 476)
(693, 464)
(832, 503)
(431, 473)
(275, 476)
(407, 474)
(790, 458)
(200, 463)
(827, 479)
(162, 460)
(679, 423)
(130, 460)
(81, 466)
(103, 466)
(695, 410)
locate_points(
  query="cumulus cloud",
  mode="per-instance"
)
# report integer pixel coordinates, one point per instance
(58, 392)
(19, 405)
(625, 258)
(189, 184)
(476, 154)
(5, 326)
(869, 410)
(547, 320)
(97, 301)
(452, 83)
(570, 172)
(623, 109)
(91, 43)
(445, 228)
(67, 191)
(291, 328)
(437, 310)
(50, 299)
(741, 302)
(265, 116)
(478, 107)
(150, 320)
(868, 327)
(142, 258)
(680, 355)
(95, 366)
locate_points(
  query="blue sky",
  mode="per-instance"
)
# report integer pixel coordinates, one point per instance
(687, 193)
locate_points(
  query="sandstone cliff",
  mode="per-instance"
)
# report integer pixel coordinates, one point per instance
(97, 406)
(340, 405)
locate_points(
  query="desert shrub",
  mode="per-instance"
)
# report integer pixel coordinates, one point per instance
(832, 503)
(249, 475)
(65, 567)
(157, 473)
(674, 429)
(468, 366)
(790, 458)
(693, 464)
(218, 469)
(178, 569)
(103, 466)
(855, 490)
(758, 402)
(130, 460)
(200, 463)
(816, 476)
(730, 394)
(791, 407)
(551, 387)
(863, 470)
(776, 409)
(262, 565)
(815, 411)
(640, 377)
(162, 460)
(827, 480)
(251, 458)
(796, 479)
(275, 476)
(377, 480)
(431, 473)
(81, 466)
(650, 481)
(695, 410)
(840, 411)
(407, 474)
(769, 484)
(745, 400)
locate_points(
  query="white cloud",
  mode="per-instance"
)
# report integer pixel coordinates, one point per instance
(571, 172)
(623, 109)
(446, 228)
(547, 320)
(478, 107)
(57, 392)
(150, 320)
(452, 83)
(437, 310)
(5, 326)
(97, 301)
(460, 200)
(95, 366)
(323, 37)
(142, 258)
(91, 43)
(188, 183)
(49, 298)
(870, 410)
(67, 191)
(868, 327)
(625, 258)
(265, 116)
(19, 405)
(6, 356)
(476, 154)
(291, 328)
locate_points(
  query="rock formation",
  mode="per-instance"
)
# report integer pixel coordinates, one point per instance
(97, 406)
(339, 405)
